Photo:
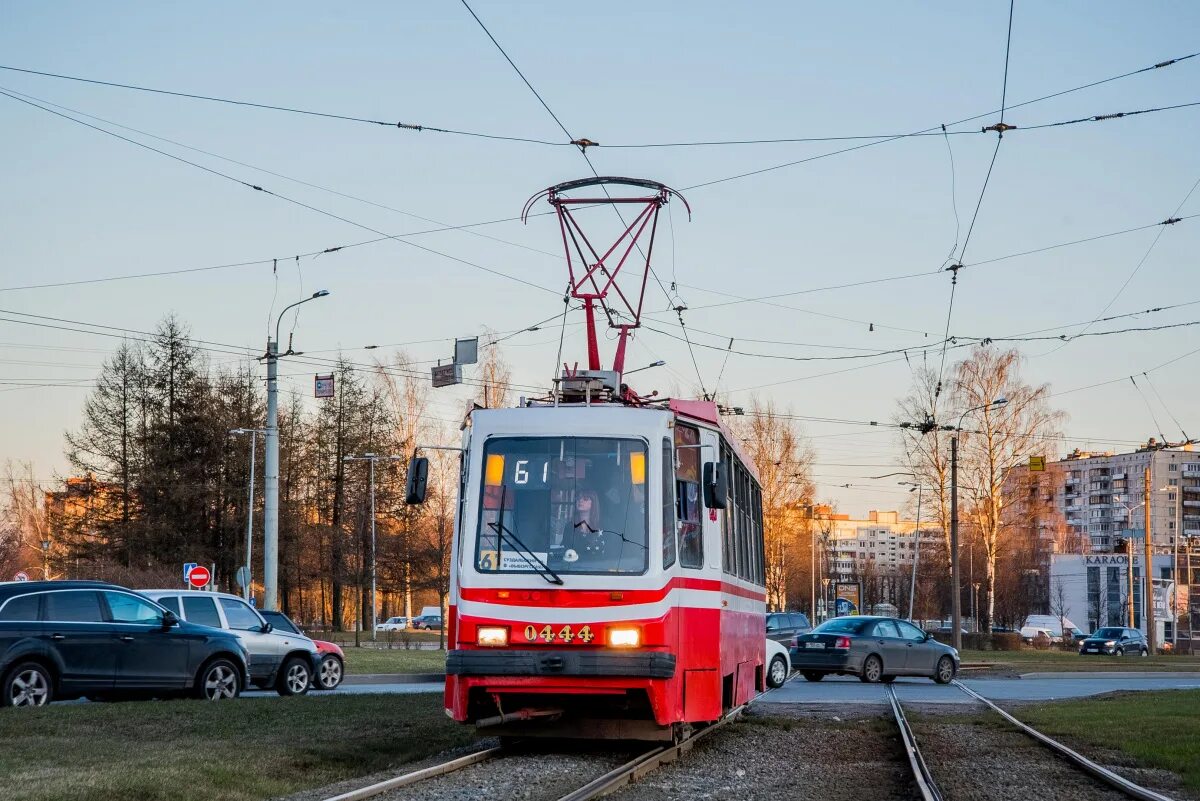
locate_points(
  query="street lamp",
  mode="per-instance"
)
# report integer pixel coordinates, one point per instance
(955, 600)
(253, 432)
(912, 581)
(370, 459)
(271, 464)
(46, 558)
(658, 363)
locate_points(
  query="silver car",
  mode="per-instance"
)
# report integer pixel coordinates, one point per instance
(279, 660)
(874, 649)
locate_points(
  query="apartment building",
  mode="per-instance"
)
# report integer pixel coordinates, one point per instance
(881, 543)
(1101, 495)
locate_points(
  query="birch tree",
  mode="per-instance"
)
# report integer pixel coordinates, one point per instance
(994, 440)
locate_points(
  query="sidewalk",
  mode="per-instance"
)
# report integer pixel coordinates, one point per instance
(393, 678)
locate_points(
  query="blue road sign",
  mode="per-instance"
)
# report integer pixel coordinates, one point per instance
(187, 568)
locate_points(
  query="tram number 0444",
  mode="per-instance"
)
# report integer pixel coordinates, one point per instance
(565, 634)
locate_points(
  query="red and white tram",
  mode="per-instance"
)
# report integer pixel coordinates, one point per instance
(607, 573)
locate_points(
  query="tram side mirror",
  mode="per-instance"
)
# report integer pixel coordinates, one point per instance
(716, 485)
(418, 479)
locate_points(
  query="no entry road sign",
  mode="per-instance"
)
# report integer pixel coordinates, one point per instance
(198, 576)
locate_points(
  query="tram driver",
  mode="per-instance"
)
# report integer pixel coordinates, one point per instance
(583, 538)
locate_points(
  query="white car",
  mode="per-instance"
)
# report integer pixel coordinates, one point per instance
(279, 660)
(392, 624)
(779, 664)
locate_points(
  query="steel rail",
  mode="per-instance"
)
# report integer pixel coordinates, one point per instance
(638, 767)
(920, 770)
(417, 776)
(1105, 775)
(607, 783)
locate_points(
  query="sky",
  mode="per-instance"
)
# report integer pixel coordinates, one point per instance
(78, 205)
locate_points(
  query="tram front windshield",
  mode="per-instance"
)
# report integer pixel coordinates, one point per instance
(566, 505)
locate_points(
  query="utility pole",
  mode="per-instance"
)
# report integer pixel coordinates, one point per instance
(1147, 569)
(271, 464)
(955, 585)
(253, 432)
(370, 459)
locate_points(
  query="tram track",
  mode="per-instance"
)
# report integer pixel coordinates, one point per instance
(927, 787)
(607, 782)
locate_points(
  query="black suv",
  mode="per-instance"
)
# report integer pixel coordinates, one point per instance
(784, 626)
(67, 639)
(1115, 640)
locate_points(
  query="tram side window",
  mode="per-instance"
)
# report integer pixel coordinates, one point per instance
(687, 496)
(727, 550)
(739, 530)
(668, 503)
(759, 545)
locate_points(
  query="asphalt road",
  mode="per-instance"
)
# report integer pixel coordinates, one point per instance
(1032, 687)
(848, 690)
(362, 689)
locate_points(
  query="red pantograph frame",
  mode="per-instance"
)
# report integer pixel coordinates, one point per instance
(592, 278)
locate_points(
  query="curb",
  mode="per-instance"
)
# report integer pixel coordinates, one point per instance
(1115, 674)
(394, 678)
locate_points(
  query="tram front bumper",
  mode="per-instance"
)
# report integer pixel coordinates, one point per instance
(609, 664)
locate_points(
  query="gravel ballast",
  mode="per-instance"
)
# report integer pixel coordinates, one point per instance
(775, 758)
(985, 761)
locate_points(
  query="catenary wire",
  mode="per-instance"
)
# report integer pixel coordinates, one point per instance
(1137, 268)
(278, 195)
(291, 110)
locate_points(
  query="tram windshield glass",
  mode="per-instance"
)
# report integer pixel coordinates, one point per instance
(563, 505)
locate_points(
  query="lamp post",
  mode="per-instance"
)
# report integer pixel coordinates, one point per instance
(912, 581)
(253, 432)
(46, 558)
(955, 585)
(370, 459)
(1175, 574)
(271, 464)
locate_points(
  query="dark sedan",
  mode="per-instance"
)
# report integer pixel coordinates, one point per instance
(67, 639)
(874, 649)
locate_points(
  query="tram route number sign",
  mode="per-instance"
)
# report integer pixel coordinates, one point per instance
(566, 634)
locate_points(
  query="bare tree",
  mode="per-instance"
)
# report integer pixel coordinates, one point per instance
(495, 378)
(783, 460)
(1059, 607)
(996, 439)
(927, 445)
(23, 524)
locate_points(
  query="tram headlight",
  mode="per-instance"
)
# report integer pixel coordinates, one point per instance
(624, 637)
(494, 636)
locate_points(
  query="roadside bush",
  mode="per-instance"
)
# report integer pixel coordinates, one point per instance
(977, 641)
(1006, 641)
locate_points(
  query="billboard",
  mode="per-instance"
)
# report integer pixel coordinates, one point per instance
(846, 599)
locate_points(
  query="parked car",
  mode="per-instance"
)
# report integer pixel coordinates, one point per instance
(1115, 641)
(779, 664)
(874, 649)
(70, 639)
(392, 624)
(279, 660)
(1038, 635)
(784, 626)
(427, 622)
(332, 667)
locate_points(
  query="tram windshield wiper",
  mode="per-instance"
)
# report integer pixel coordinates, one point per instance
(531, 558)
